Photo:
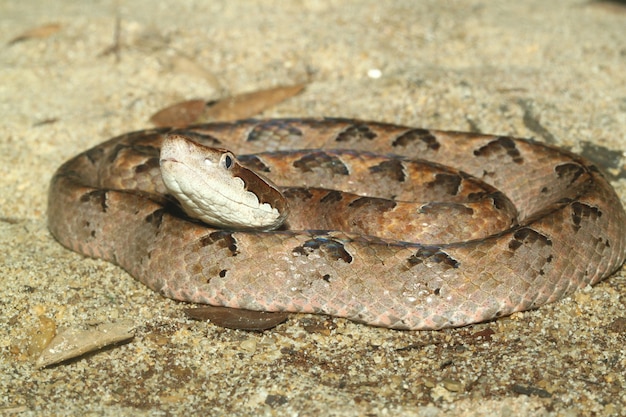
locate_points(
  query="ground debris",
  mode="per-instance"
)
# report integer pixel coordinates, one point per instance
(73, 343)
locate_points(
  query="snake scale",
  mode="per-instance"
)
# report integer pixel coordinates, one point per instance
(109, 202)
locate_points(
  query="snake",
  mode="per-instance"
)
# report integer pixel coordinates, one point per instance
(563, 227)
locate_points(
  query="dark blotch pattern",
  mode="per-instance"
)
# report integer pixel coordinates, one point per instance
(132, 146)
(356, 133)
(496, 146)
(422, 136)
(94, 154)
(121, 150)
(333, 196)
(221, 238)
(474, 197)
(145, 150)
(299, 193)
(116, 151)
(378, 204)
(253, 162)
(331, 248)
(582, 211)
(593, 168)
(96, 196)
(156, 217)
(569, 171)
(437, 207)
(280, 129)
(321, 160)
(527, 236)
(450, 183)
(499, 199)
(392, 168)
(199, 137)
(148, 165)
(563, 201)
(433, 254)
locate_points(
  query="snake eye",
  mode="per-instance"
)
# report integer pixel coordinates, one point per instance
(227, 159)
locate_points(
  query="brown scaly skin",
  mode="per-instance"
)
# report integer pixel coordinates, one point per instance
(571, 232)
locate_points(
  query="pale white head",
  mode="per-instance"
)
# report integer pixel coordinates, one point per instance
(212, 186)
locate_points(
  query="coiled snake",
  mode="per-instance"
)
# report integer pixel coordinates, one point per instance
(567, 230)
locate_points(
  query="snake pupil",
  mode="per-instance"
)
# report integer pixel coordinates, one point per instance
(228, 161)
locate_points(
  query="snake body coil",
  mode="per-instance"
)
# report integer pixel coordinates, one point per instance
(109, 202)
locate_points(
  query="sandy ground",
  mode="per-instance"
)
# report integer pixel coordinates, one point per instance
(550, 70)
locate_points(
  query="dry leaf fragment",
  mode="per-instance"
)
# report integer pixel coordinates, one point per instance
(180, 114)
(234, 318)
(38, 32)
(76, 342)
(41, 336)
(237, 107)
(246, 105)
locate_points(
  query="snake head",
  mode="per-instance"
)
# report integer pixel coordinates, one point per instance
(212, 186)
